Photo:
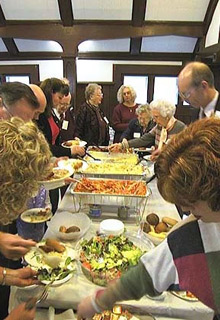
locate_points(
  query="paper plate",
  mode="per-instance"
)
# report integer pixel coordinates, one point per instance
(36, 215)
(55, 183)
(183, 295)
(72, 143)
(70, 163)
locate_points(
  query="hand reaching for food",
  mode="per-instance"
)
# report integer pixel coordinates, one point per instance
(13, 246)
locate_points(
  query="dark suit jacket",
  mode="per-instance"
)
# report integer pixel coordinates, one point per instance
(56, 149)
(69, 133)
(195, 111)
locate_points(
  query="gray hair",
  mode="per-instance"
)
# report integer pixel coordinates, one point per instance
(120, 93)
(90, 89)
(166, 108)
(144, 108)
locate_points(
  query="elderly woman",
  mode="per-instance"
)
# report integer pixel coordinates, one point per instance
(166, 126)
(143, 123)
(188, 172)
(24, 160)
(124, 111)
(91, 123)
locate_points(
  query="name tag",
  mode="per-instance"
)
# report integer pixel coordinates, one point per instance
(65, 125)
(106, 120)
(137, 134)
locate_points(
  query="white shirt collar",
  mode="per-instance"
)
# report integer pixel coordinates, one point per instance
(56, 113)
(209, 110)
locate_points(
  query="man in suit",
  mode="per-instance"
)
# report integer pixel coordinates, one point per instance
(196, 86)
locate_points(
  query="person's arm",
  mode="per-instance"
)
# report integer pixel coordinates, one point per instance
(19, 277)
(147, 140)
(20, 312)
(13, 246)
(128, 133)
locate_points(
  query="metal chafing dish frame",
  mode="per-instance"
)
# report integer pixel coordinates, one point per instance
(83, 200)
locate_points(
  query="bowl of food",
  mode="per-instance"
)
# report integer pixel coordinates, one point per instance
(53, 260)
(69, 226)
(157, 229)
(105, 258)
(56, 177)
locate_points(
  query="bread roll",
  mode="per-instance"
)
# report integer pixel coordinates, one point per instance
(73, 229)
(62, 229)
(55, 245)
(161, 227)
(152, 219)
(169, 221)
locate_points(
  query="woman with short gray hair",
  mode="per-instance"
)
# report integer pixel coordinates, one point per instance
(143, 124)
(91, 123)
(166, 125)
(124, 111)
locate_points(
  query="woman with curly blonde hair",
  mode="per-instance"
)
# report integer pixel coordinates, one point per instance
(124, 111)
(24, 159)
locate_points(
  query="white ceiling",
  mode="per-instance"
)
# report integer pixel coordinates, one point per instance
(168, 44)
(117, 45)
(102, 9)
(176, 10)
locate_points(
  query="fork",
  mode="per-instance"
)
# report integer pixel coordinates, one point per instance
(32, 302)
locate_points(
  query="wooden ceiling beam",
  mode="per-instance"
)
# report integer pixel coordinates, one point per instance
(2, 17)
(31, 56)
(138, 12)
(66, 12)
(135, 45)
(70, 37)
(11, 46)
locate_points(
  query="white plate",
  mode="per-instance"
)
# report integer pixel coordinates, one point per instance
(56, 183)
(182, 295)
(34, 216)
(147, 157)
(143, 150)
(81, 143)
(69, 164)
(35, 258)
(68, 219)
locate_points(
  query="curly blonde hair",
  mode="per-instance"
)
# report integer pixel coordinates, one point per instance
(120, 97)
(24, 160)
(188, 169)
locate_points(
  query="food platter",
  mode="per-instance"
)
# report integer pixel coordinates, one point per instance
(185, 295)
(36, 215)
(71, 143)
(128, 158)
(105, 258)
(58, 178)
(55, 266)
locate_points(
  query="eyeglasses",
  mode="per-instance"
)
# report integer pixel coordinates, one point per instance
(5, 107)
(185, 95)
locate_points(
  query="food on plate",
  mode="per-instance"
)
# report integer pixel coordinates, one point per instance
(115, 168)
(110, 186)
(71, 143)
(169, 221)
(69, 230)
(153, 219)
(36, 215)
(49, 262)
(57, 173)
(116, 314)
(55, 245)
(105, 258)
(185, 295)
(77, 164)
(159, 229)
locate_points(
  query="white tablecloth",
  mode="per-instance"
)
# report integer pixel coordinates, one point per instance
(71, 293)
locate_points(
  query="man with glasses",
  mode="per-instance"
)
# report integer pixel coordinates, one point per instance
(196, 87)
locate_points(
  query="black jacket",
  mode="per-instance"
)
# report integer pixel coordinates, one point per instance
(135, 127)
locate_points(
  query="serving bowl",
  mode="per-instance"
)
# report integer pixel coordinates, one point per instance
(67, 219)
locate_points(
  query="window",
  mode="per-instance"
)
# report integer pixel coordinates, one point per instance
(140, 84)
(23, 79)
(165, 88)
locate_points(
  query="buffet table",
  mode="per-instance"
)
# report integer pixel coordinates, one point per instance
(72, 292)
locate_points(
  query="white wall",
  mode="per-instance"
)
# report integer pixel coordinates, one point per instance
(47, 68)
(87, 70)
(102, 70)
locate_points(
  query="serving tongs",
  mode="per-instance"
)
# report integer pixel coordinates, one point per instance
(89, 155)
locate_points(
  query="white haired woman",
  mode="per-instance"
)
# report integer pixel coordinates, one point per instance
(143, 124)
(124, 111)
(166, 126)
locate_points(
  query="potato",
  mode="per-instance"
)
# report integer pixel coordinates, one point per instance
(72, 229)
(153, 219)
